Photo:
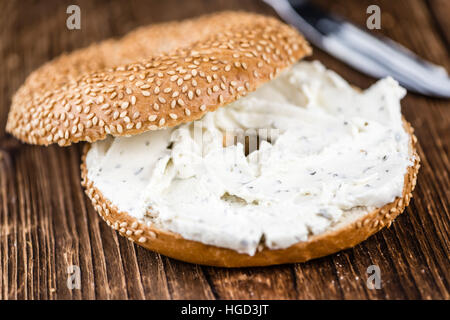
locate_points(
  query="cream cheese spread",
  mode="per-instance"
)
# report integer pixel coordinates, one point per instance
(324, 149)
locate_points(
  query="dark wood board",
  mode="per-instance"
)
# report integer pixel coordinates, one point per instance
(48, 224)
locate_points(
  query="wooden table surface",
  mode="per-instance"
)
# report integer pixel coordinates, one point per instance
(48, 224)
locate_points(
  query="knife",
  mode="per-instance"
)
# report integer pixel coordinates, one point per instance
(375, 56)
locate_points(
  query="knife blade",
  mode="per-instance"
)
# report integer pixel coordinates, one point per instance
(375, 56)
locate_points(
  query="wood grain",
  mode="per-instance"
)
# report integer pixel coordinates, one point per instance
(47, 224)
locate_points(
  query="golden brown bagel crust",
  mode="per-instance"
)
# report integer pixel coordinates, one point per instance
(344, 235)
(157, 76)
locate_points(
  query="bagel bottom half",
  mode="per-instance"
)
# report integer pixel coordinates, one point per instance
(350, 230)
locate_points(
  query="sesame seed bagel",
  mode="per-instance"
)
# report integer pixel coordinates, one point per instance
(157, 76)
(350, 230)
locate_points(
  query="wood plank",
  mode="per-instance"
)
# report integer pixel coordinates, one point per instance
(276, 282)
(47, 223)
(439, 9)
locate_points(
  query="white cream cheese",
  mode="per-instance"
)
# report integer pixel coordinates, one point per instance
(330, 149)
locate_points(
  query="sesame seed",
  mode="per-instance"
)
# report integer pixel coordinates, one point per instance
(142, 239)
(173, 116)
(181, 102)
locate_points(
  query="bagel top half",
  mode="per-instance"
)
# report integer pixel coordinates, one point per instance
(157, 76)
